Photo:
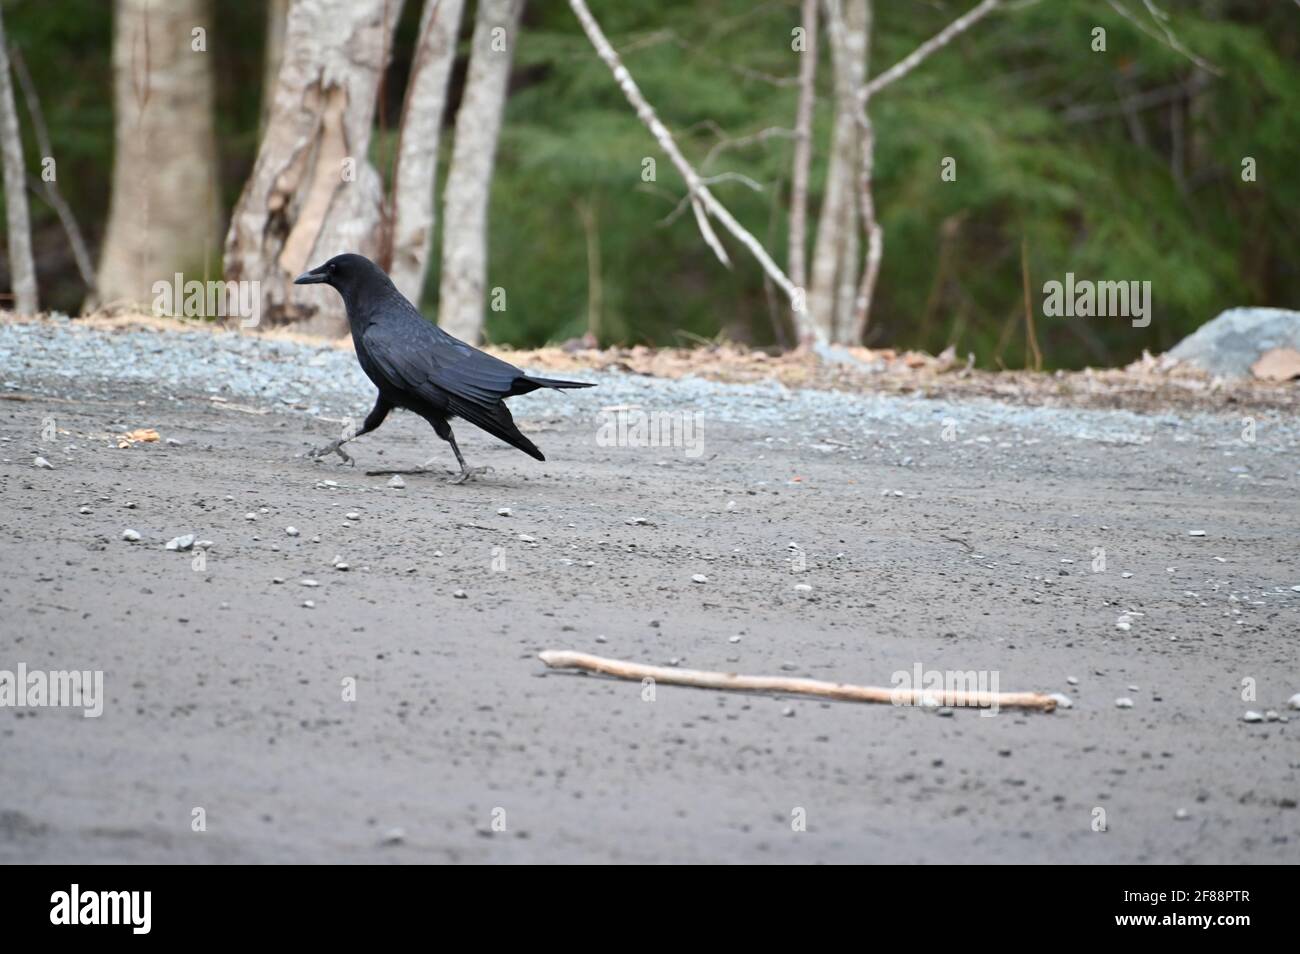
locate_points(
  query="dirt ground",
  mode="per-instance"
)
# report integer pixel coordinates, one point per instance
(973, 549)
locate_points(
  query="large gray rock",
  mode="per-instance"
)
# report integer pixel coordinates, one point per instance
(1236, 339)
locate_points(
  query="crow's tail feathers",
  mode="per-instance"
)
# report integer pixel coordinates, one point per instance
(525, 383)
(496, 420)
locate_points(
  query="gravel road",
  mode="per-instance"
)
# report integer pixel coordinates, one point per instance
(395, 710)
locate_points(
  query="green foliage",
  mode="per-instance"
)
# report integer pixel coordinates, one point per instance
(1048, 159)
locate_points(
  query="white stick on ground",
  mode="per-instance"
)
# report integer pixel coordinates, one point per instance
(706, 679)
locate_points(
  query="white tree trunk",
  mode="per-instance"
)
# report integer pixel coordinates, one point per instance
(412, 222)
(313, 193)
(22, 269)
(277, 20)
(461, 297)
(796, 260)
(162, 215)
(834, 271)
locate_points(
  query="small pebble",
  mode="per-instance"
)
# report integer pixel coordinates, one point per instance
(396, 482)
(291, 531)
(699, 578)
(43, 464)
(1123, 702)
(130, 536)
(181, 543)
(352, 515)
(309, 604)
(460, 594)
(1182, 814)
(1253, 716)
(503, 511)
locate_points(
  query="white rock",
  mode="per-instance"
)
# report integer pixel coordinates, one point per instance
(699, 578)
(1294, 701)
(1123, 702)
(1253, 716)
(1062, 700)
(181, 543)
(43, 464)
(131, 536)
(1196, 533)
(396, 482)
(291, 531)
(460, 594)
(352, 515)
(527, 538)
(503, 512)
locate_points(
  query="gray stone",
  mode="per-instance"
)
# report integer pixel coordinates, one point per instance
(1236, 339)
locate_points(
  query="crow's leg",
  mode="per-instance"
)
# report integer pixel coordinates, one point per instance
(372, 421)
(466, 472)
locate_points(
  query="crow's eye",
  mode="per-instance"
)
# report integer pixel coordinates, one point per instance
(333, 268)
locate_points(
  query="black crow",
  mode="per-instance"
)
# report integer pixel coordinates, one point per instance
(418, 366)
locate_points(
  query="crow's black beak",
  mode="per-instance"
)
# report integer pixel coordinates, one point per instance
(309, 278)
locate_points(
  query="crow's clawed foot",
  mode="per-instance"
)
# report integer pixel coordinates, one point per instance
(469, 473)
(333, 447)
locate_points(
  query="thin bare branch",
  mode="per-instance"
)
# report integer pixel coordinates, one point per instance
(923, 52)
(1164, 35)
(704, 201)
(49, 190)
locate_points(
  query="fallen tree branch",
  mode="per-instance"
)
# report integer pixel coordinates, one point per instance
(706, 679)
(703, 201)
(922, 52)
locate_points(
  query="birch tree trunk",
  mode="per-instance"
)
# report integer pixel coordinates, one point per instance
(162, 215)
(312, 192)
(469, 179)
(22, 270)
(796, 259)
(832, 269)
(416, 172)
(277, 19)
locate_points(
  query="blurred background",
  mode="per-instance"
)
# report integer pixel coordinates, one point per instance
(1117, 164)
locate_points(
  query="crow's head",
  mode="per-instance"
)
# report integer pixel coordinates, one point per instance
(347, 273)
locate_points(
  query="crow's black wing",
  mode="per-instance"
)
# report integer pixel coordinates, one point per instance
(415, 355)
(424, 361)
